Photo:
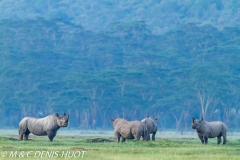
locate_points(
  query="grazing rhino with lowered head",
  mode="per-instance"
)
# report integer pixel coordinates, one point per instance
(42, 126)
(207, 130)
(129, 129)
(151, 124)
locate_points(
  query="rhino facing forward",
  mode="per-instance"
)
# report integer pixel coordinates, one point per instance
(151, 124)
(42, 126)
(207, 130)
(129, 129)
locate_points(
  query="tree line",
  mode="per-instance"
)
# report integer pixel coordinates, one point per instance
(50, 66)
(161, 16)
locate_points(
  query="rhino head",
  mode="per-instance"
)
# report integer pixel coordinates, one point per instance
(196, 124)
(152, 118)
(62, 121)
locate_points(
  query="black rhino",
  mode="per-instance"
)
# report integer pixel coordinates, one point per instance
(42, 126)
(151, 124)
(129, 129)
(207, 130)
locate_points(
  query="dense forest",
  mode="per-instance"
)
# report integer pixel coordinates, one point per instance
(169, 58)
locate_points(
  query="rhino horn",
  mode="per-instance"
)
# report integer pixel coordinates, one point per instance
(112, 119)
(193, 119)
(64, 114)
(57, 114)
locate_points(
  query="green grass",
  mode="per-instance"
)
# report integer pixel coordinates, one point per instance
(105, 148)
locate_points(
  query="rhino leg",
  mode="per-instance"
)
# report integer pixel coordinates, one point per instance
(206, 140)
(117, 136)
(50, 138)
(137, 136)
(153, 136)
(202, 140)
(23, 130)
(26, 136)
(219, 139)
(123, 139)
(51, 135)
(224, 138)
(21, 136)
(26, 133)
(146, 137)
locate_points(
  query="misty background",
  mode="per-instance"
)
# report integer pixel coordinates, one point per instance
(99, 58)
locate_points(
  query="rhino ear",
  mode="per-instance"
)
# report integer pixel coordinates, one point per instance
(147, 116)
(112, 119)
(64, 114)
(193, 119)
(57, 114)
(202, 119)
(156, 118)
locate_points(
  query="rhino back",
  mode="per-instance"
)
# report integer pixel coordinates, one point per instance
(151, 127)
(215, 128)
(120, 122)
(35, 126)
(40, 126)
(23, 121)
(137, 127)
(154, 122)
(123, 127)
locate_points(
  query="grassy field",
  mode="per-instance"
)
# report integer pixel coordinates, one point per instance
(105, 148)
